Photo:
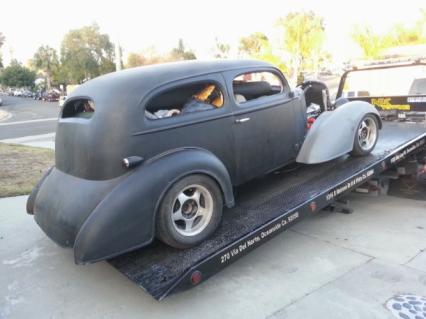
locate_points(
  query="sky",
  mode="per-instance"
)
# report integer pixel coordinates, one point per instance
(138, 25)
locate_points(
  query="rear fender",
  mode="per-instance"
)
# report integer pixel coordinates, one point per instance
(125, 219)
(333, 133)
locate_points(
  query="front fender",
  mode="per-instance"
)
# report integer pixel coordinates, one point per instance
(125, 219)
(333, 133)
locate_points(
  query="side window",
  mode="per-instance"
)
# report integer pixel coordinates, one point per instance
(82, 108)
(256, 85)
(185, 99)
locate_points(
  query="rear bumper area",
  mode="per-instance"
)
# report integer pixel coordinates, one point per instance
(64, 202)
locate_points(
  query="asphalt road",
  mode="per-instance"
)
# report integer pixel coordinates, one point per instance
(28, 117)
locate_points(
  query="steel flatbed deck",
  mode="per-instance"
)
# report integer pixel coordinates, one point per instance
(266, 207)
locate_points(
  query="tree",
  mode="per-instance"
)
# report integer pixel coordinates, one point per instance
(373, 45)
(86, 53)
(258, 46)
(147, 57)
(17, 75)
(180, 53)
(2, 39)
(253, 44)
(150, 56)
(303, 36)
(221, 50)
(46, 60)
(135, 59)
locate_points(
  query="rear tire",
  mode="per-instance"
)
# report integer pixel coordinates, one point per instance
(366, 136)
(190, 211)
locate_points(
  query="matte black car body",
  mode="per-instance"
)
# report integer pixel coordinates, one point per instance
(90, 202)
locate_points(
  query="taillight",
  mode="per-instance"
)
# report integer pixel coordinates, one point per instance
(310, 122)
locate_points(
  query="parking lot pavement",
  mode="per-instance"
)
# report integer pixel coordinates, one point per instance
(25, 109)
(330, 266)
(27, 117)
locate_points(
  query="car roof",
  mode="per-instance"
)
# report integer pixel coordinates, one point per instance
(141, 80)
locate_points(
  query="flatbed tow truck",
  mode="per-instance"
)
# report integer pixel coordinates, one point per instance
(265, 208)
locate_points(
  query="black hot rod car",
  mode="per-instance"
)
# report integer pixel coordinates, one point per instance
(156, 151)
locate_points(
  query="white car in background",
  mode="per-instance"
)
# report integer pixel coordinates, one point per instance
(18, 93)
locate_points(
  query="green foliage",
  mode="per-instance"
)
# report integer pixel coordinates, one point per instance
(150, 56)
(147, 58)
(135, 60)
(86, 53)
(17, 75)
(221, 50)
(303, 37)
(373, 44)
(2, 39)
(180, 53)
(253, 44)
(257, 46)
(46, 60)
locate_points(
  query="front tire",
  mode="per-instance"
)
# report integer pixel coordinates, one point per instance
(366, 136)
(190, 211)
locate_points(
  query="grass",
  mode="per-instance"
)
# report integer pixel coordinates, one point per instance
(21, 167)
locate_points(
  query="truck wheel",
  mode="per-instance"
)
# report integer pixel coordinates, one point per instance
(366, 136)
(190, 211)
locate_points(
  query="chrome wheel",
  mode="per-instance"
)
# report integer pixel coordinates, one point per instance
(192, 210)
(367, 133)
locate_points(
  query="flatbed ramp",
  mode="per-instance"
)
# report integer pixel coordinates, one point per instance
(265, 207)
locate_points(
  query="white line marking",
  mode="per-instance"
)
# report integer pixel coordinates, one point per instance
(30, 121)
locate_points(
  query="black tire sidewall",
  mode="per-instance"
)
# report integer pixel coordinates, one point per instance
(357, 149)
(165, 229)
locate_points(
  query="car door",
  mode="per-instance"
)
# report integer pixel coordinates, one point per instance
(267, 129)
(210, 130)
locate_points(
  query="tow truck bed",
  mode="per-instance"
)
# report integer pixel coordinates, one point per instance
(265, 207)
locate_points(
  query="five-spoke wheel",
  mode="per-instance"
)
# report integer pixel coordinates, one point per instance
(190, 211)
(366, 136)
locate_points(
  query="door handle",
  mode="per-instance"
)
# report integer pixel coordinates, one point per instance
(244, 119)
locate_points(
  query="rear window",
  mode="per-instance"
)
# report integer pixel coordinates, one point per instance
(82, 108)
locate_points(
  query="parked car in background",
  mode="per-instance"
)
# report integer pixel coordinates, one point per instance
(18, 93)
(27, 94)
(38, 95)
(51, 96)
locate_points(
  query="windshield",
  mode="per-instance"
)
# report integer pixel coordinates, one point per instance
(396, 81)
(418, 87)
